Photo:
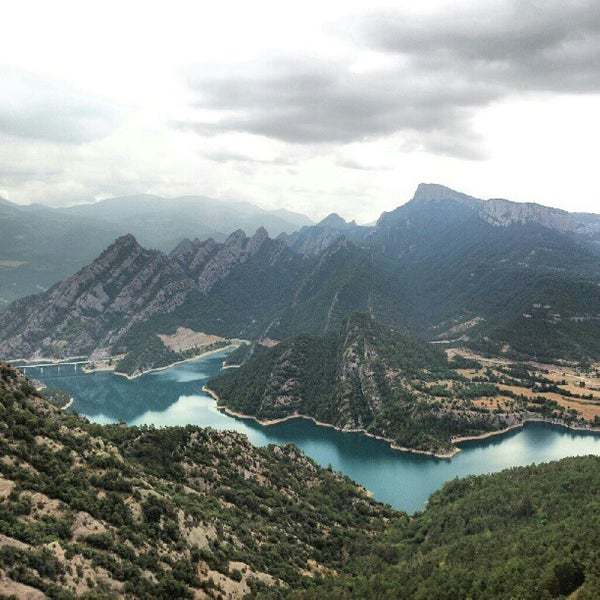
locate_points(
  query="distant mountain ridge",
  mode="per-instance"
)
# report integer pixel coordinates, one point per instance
(40, 245)
(161, 223)
(499, 211)
(440, 265)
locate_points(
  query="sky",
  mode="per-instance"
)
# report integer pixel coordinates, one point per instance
(316, 107)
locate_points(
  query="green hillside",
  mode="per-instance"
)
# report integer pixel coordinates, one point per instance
(527, 533)
(375, 379)
(110, 512)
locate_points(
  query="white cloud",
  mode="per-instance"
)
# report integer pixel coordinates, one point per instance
(316, 107)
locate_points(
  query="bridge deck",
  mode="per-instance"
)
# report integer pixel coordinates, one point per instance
(62, 364)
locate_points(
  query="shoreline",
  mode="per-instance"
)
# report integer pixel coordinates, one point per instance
(439, 455)
(270, 422)
(178, 362)
(234, 344)
(68, 404)
(555, 423)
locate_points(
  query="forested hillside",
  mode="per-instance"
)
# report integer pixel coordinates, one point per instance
(372, 378)
(114, 511)
(527, 533)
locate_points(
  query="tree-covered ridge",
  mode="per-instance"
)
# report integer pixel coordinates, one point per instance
(102, 512)
(151, 353)
(529, 533)
(385, 382)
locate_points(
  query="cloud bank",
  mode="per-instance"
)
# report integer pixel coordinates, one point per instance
(440, 69)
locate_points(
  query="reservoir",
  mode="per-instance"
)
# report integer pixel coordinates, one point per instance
(174, 397)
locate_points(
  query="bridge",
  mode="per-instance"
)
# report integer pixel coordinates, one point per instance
(54, 364)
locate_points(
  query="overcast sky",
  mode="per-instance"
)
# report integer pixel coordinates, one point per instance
(311, 106)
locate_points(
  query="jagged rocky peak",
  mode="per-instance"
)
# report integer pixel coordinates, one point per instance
(125, 241)
(236, 237)
(333, 221)
(185, 246)
(257, 240)
(260, 235)
(124, 247)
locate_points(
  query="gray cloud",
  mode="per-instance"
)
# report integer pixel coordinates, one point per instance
(36, 109)
(517, 44)
(16, 175)
(356, 165)
(310, 101)
(442, 68)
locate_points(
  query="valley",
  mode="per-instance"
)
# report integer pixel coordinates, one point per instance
(249, 350)
(453, 338)
(346, 324)
(403, 479)
(183, 510)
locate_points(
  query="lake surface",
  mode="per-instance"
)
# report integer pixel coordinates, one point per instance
(174, 397)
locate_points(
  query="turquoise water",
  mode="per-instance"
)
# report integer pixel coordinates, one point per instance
(174, 397)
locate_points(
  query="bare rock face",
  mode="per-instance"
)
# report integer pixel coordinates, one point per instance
(313, 240)
(89, 308)
(236, 250)
(125, 285)
(208, 261)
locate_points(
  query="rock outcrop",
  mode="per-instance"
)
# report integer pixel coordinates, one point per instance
(125, 285)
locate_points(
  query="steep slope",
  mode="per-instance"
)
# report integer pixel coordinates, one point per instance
(461, 268)
(526, 533)
(313, 239)
(524, 285)
(456, 266)
(371, 378)
(277, 292)
(95, 307)
(103, 308)
(173, 513)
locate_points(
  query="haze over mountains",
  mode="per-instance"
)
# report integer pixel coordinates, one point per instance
(41, 245)
(496, 274)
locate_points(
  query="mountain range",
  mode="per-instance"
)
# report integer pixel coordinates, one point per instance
(519, 280)
(40, 245)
